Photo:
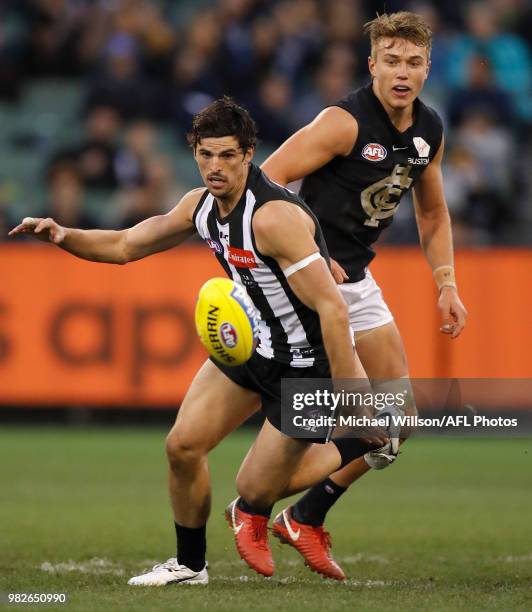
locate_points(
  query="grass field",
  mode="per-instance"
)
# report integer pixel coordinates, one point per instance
(449, 527)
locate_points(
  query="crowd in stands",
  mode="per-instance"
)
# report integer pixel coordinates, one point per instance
(144, 67)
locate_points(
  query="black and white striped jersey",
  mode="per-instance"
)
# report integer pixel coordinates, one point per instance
(289, 331)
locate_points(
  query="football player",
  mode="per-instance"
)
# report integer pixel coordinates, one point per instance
(357, 159)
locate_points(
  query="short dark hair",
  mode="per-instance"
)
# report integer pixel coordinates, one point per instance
(224, 117)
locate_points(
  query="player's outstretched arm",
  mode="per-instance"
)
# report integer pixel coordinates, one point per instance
(119, 247)
(286, 233)
(434, 226)
(333, 132)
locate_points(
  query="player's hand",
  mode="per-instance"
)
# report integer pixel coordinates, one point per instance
(452, 311)
(339, 274)
(376, 440)
(46, 230)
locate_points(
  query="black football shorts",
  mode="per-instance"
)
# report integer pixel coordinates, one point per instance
(264, 377)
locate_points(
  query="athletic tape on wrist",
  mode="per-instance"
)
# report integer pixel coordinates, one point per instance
(444, 277)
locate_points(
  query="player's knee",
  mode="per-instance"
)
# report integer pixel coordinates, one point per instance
(252, 491)
(182, 452)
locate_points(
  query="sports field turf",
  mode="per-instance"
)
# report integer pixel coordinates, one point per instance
(449, 527)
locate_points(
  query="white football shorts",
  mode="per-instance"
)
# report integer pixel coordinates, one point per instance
(367, 308)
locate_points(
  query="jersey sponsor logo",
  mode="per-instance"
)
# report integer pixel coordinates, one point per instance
(374, 152)
(228, 335)
(240, 258)
(422, 146)
(418, 161)
(214, 246)
(394, 148)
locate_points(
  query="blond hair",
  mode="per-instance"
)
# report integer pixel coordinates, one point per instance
(406, 25)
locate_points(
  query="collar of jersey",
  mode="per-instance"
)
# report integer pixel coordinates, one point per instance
(252, 177)
(399, 137)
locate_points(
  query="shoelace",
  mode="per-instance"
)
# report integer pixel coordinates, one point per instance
(259, 527)
(325, 539)
(169, 564)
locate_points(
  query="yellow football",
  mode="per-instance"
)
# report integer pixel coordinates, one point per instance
(227, 322)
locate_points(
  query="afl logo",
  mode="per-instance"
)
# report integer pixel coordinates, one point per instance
(374, 152)
(214, 246)
(228, 335)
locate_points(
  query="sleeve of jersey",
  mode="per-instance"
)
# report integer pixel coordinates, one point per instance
(348, 104)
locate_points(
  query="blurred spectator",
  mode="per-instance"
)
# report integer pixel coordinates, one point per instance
(344, 23)
(328, 87)
(57, 27)
(481, 94)
(270, 109)
(203, 35)
(333, 81)
(492, 146)
(471, 204)
(165, 190)
(65, 198)
(301, 38)
(515, 15)
(436, 84)
(467, 234)
(507, 53)
(158, 195)
(234, 17)
(158, 39)
(197, 73)
(12, 38)
(265, 35)
(132, 206)
(121, 83)
(462, 178)
(491, 204)
(195, 84)
(95, 156)
(131, 160)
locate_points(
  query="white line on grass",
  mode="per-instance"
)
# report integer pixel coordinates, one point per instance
(99, 566)
(363, 558)
(92, 566)
(297, 580)
(516, 558)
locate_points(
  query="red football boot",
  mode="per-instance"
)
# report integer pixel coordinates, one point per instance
(251, 538)
(313, 543)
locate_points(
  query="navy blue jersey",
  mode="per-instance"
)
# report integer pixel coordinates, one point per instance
(356, 196)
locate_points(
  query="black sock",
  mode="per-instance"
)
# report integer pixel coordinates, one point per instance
(191, 546)
(245, 507)
(312, 508)
(352, 448)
